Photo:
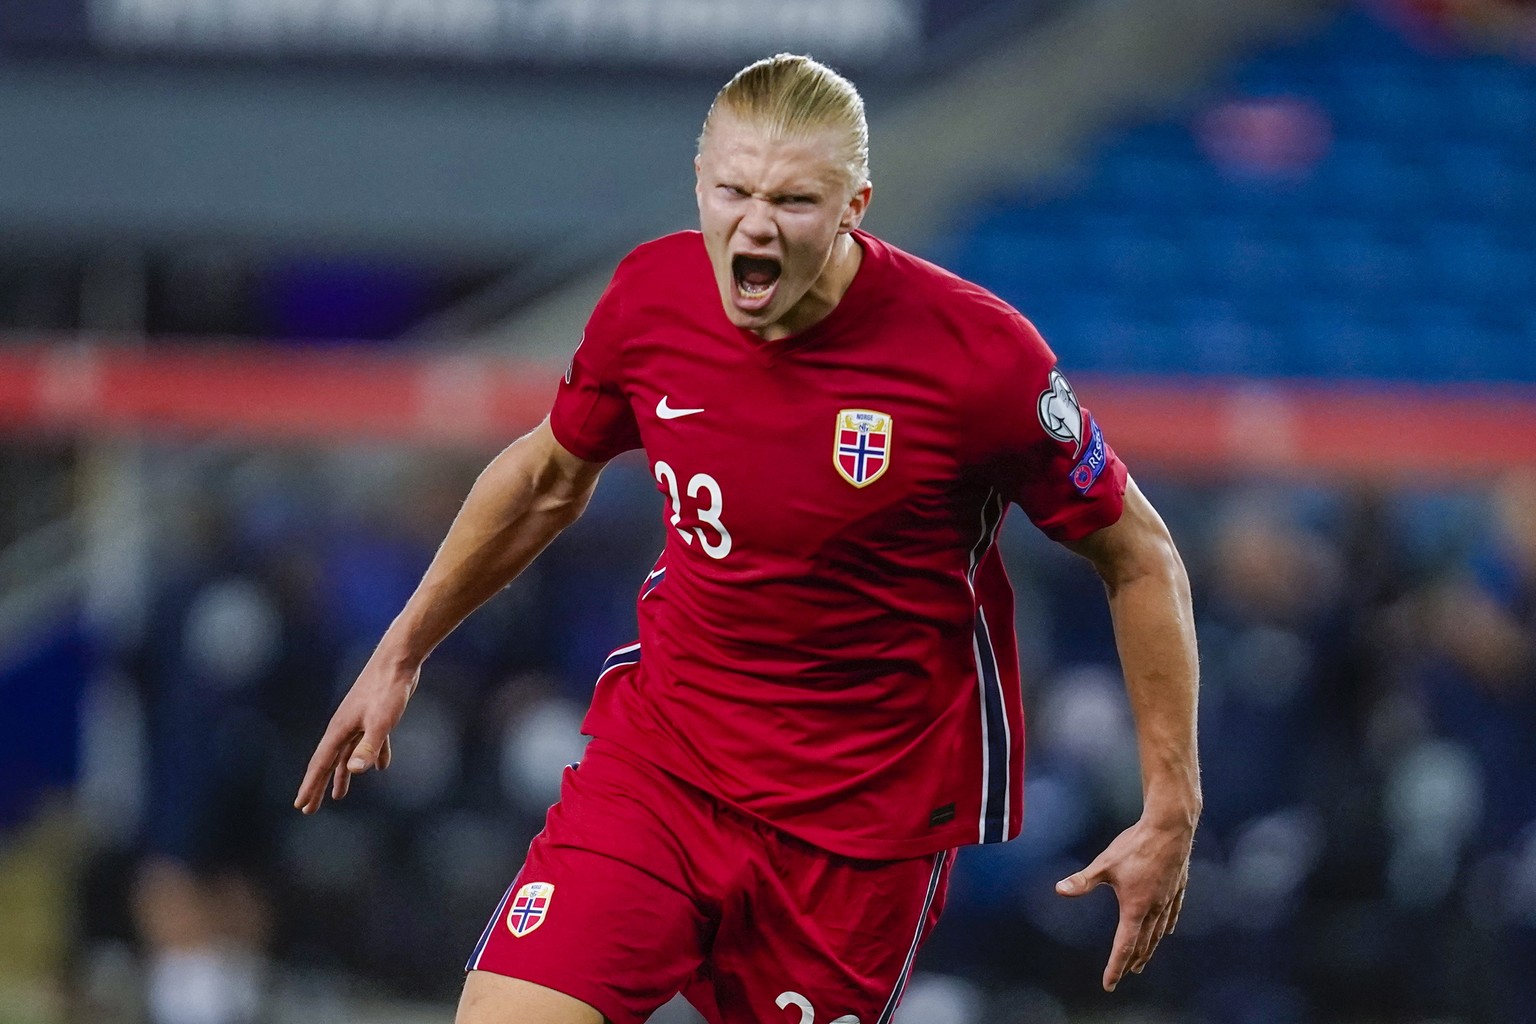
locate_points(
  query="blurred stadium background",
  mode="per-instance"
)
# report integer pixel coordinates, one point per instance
(277, 278)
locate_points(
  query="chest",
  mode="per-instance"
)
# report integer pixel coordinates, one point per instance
(798, 453)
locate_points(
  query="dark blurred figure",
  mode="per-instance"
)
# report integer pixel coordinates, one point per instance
(1270, 631)
(1461, 804)
(234, 653)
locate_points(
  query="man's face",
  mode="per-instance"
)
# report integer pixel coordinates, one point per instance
(771, 211)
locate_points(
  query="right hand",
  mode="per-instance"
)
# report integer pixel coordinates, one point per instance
(358, 737)
(1148, 867)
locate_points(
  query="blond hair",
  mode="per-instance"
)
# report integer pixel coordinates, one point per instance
(792, 96)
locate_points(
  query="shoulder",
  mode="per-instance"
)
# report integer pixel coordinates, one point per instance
(658, 278)
(990, 330)
(994, 352)
(651, 276)
(663, 256)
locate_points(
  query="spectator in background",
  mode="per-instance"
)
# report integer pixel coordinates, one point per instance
(232, 645)
(1269, 634)
(1273, 593)
(1480, 679)
(1460, 803)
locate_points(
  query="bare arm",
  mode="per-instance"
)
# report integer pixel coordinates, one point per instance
(1148, 864)
(521, 501)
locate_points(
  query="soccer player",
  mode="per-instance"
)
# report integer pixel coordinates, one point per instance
(825, 699)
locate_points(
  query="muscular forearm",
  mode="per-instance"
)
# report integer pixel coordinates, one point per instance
(520, 502)
(1148, 863)
(1155, 634)
(527, 495)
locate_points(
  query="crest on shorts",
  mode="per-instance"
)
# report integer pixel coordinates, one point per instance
(529, 907)
(861, 446)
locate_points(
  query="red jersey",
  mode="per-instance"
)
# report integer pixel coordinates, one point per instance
(827, 639)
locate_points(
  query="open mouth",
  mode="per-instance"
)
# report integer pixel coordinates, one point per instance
(755, 278)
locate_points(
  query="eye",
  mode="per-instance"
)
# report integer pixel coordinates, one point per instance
(734, 191)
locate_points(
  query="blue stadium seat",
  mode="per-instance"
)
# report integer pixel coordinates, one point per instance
(1451, 343)
(1161, 183)
(1396, 258)
(1478, 179)
(1246, 263)
(1370, 178)
(1469, 259)
(1142, 264)
(1129, 342)
(1494, 97)
(1214, 336)
(1340, 339)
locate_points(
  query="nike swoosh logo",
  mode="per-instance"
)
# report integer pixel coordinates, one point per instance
(666, 412)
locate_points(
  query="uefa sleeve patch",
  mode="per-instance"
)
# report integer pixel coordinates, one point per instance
(1095, 456)
(1059, 412)
(529, 907)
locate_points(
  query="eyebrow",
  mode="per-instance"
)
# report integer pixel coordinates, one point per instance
(813, 194)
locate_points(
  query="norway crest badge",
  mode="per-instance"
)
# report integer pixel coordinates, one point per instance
(861, 448)
(529, 907)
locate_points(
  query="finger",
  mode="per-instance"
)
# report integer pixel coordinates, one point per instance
(1143, 939)
(386, 755)
(1084, 881)
(1146, 937)
(1153, 936)
(1122, 951)
(341, 780)
(1150, 933)
(319, 767)
(1178, 907)
(325, 757)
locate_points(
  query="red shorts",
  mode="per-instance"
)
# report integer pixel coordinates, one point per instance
(641, 886)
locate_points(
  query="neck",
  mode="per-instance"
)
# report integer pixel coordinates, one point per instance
(822, 298)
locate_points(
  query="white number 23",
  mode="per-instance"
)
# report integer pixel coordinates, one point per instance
(717, 545)
(807, 1012)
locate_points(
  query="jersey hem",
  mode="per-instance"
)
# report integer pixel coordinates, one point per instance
(829, 840)
(1091, 519)
(579, 449)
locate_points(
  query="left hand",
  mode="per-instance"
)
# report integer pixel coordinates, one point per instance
(1148, 867)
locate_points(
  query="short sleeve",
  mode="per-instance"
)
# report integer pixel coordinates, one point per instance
(1039, 445)
(591, 417)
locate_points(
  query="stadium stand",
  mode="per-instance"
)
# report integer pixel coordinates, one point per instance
(1350, 207)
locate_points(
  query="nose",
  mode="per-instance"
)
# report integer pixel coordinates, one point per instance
(758, 223)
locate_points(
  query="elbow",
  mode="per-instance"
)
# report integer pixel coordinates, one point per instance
(561, 500)
(1154, 558)
(1169, 563)
(567, 508)
(1165, 563)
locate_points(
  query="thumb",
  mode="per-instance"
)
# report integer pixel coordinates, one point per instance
(1082, 882)
(364, 754)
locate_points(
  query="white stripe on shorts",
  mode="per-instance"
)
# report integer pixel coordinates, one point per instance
(939, 860)
(485, 937)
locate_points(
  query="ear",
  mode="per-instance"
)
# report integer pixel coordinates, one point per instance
(698, 176)
(853, 213)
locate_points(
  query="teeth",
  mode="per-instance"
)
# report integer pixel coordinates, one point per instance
(755, 290)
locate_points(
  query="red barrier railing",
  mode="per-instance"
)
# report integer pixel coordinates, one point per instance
(1211, 426)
